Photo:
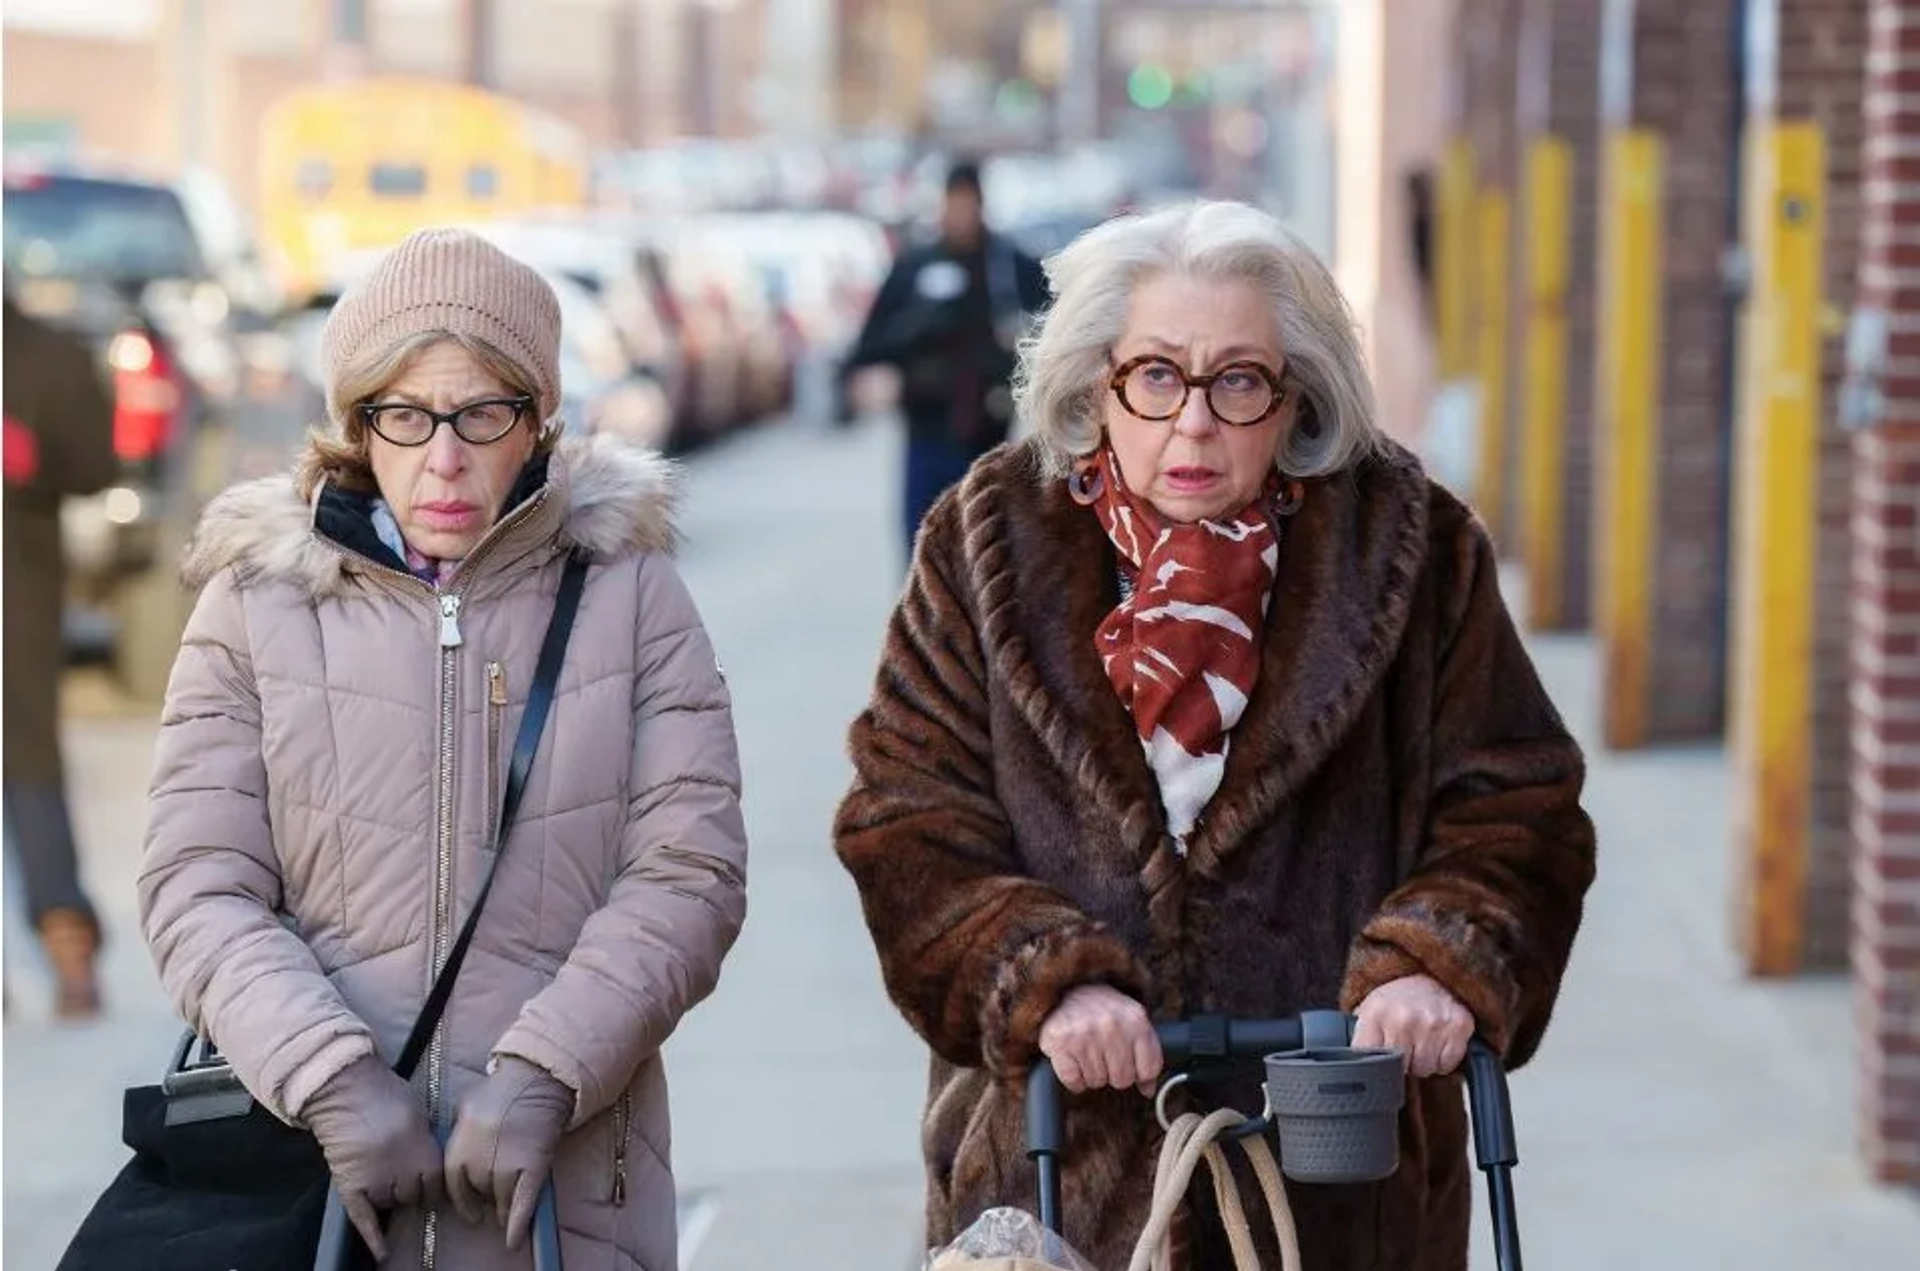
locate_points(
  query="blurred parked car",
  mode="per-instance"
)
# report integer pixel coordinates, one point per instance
(714, 319)
(601, 389)
(741, 291)
(599, 257)
(163, 288)
(682, 269)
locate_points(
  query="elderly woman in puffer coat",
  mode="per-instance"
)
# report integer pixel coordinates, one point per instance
(331, 760)
(1204, 700)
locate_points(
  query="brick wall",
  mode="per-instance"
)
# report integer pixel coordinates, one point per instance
(1684, 88)
(1490, 31)
(1886, 771)
(1393, 304)
(1573, 114)
(1521, 23)
(1822, 63)
(1886, 614)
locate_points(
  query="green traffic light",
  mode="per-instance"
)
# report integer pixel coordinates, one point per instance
(1149, 87)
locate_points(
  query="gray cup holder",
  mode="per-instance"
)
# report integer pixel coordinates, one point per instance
(1337, 1110)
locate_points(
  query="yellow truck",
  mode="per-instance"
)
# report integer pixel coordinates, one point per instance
(349, 169)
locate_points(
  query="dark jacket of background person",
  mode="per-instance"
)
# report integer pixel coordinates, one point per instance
(955, 354)
(60, 435)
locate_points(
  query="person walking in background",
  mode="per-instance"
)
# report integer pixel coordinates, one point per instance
(58, 444)
(948, 318)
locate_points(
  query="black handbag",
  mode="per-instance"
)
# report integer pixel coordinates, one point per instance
(217, 1182)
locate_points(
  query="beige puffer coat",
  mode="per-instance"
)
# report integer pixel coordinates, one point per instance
(330, 762)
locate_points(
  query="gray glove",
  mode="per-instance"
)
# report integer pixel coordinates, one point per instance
(504, 1138)
(378, 1144)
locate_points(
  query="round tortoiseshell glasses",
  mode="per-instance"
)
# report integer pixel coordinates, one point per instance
(1155, 388)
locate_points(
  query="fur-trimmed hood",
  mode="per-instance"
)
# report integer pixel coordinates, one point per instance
(603, 494)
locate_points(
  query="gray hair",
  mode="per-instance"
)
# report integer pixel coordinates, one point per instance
(1062, 377)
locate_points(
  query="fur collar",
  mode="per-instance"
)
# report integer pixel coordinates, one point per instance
(606, 495)
(1042, 572)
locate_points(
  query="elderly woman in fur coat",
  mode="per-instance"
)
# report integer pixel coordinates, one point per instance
(330, 769)
(1205, 700)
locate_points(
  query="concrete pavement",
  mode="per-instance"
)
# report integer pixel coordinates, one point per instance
(62, 1084)
(1677, 1117)
(797, 1089)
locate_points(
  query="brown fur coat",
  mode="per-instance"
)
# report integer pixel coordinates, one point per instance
(1400, 797)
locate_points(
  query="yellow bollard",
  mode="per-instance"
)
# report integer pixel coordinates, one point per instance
(1490, 359)
(1454, 239)
(1628, 419)
(1777, 467)
(1544, 425)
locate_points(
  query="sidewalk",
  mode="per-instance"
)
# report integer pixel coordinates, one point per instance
(1680, 1115)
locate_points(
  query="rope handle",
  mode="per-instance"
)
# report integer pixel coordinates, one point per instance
(1266, 1171)
(1190, 1140)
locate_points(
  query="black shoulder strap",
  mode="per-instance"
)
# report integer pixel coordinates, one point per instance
(546, 674)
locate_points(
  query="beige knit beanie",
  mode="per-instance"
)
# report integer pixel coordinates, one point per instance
(447, 280)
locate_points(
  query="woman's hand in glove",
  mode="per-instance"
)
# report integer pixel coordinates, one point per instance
(378, 1144)
(505, 1135)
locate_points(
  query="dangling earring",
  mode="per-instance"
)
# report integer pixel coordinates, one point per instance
(1289, 497)
(1087, 483)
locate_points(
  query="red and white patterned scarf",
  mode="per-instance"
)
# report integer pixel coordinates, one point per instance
(1183, 648)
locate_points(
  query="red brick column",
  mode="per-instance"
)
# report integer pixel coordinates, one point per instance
(1490, 38)
(1573, 114)
(1489, 46)
(1886, 613)
(1684, 88)
(1822, 79)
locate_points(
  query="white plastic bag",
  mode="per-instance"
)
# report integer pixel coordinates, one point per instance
(1007, 1240)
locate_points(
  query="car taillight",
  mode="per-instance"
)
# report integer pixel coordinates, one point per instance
(792, 329)
(146, 396)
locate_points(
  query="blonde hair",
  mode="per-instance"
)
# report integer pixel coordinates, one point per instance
(1060, 386)
(337, 451)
